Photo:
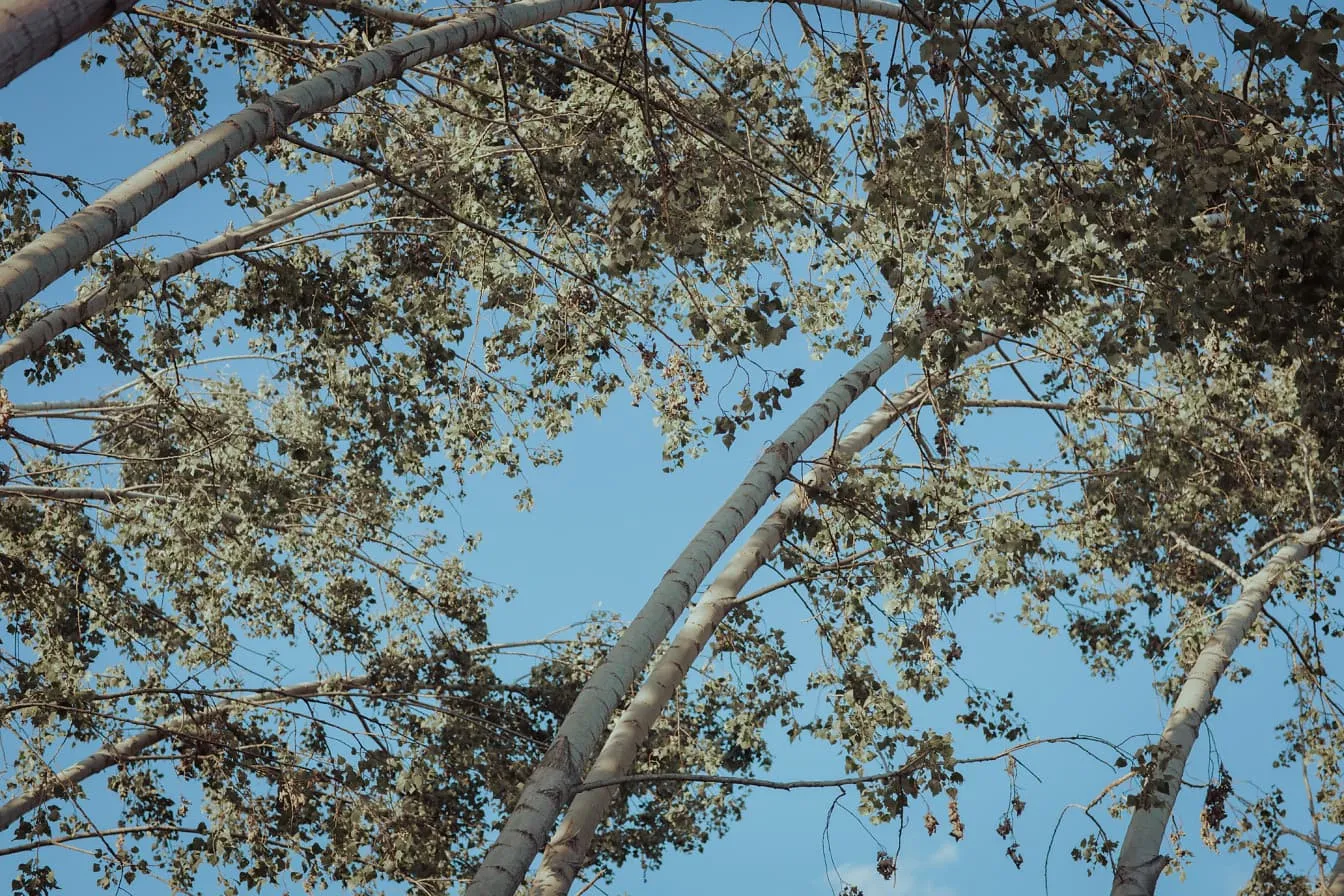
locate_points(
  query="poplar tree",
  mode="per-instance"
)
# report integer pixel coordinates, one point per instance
(465, 229)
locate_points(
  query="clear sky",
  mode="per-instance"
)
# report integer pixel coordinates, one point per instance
(606, 525)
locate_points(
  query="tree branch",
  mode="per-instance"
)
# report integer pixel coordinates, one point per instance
(72, 242)
(372, 11)
(72, 314)
(137, 743)
(89, 835)
(552, 783)
(565, 853)
(907, 768)
(1139, 862)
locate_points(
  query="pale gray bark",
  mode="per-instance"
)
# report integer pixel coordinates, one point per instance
(1140, 862)
(1249, 14)
(72, 314)
(553, 782)
(119, 751)
(75, 240)
(32, 30)
(565, 853)
(373, 11)
(1336, 885)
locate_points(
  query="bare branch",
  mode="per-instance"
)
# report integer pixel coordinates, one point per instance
(910, 766)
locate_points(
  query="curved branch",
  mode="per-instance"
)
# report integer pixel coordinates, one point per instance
(1139, 862)
(75, 240)
(128, 747)
(72, 314)
(565, 853)
(89, 835)
(72, 242)
(913, 764)
(372, 11)
(552, 783)
(80, 493)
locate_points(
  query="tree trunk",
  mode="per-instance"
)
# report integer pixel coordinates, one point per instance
(72, 242)
(565, 853)
(553, 781)
(1139, 863)
(72, 314)
(1336, 885)
(32, 30)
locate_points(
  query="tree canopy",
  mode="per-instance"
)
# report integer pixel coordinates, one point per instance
(1023, 312)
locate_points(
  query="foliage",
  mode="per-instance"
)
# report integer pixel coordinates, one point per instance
(600, 208)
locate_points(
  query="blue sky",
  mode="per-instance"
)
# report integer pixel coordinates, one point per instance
(588, 544)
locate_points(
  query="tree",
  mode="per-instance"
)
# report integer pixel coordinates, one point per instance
(31, 31)
(514, 215)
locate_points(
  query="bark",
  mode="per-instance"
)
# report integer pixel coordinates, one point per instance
(565, 853)
(1244, 11)
(32, 30)
(72, 314)
(1139, 863)
(75, 240)
(553, 782)
(80, 493)
(386, 13)
(1336, 885)
(137, 743)
(1258, 18)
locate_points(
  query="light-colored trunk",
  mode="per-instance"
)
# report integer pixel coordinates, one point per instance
(72, 314)
(32, 30)
(565, 853)
(553, 781)
(1140, 860)
(1335, 887)
(114, 753)
(1249, 14)
(73, 241)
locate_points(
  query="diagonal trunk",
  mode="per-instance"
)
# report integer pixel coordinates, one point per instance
(72, 314)
(32, 30)
(72, 242)
(553, 781)
(75, 240)
(565, 853)
(1140, 862)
